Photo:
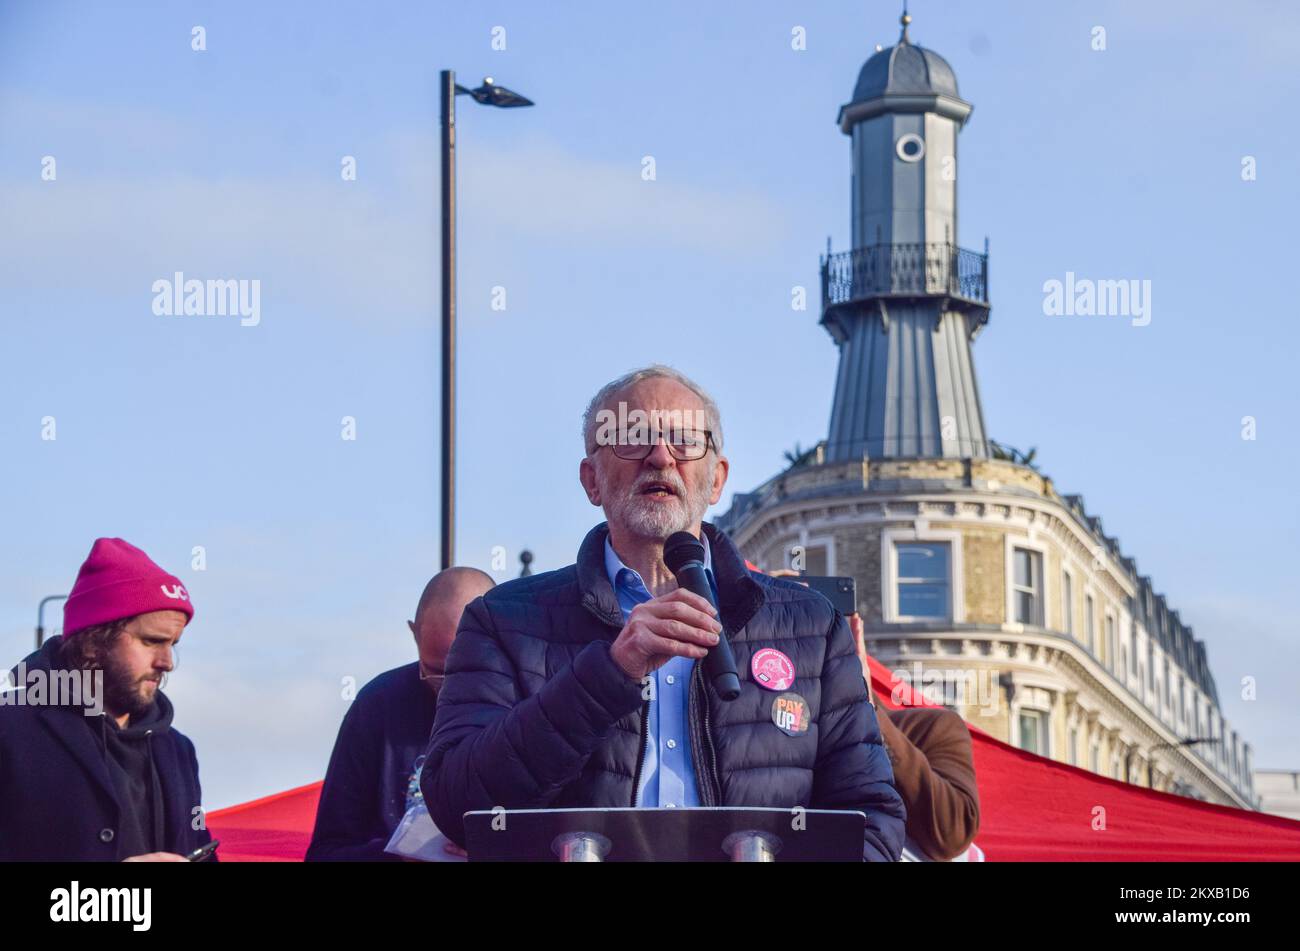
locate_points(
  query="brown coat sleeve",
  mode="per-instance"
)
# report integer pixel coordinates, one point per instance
(934, 772)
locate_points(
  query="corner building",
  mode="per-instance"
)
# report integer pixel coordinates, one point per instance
(977, 581)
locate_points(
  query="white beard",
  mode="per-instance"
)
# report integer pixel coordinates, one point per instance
(656, 520)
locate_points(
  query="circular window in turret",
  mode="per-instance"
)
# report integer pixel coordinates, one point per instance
(910, 147)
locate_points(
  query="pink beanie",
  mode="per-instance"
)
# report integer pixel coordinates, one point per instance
(119, 581)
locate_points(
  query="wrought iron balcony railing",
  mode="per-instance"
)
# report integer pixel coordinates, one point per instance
(903, 269)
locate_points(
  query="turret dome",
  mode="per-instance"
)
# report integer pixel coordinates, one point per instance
(905, 69)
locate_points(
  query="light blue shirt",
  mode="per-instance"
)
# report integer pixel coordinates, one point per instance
(668, 770)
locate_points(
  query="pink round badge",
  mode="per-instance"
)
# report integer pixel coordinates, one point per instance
(772, 669)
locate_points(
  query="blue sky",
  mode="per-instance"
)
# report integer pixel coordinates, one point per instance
(226, 163)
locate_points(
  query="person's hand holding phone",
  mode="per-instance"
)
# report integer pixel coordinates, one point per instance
(157, 857)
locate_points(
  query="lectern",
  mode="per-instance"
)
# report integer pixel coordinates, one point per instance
(728, 833)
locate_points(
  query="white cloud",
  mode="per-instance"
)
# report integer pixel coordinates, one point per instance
(368, 249)
(549, 193)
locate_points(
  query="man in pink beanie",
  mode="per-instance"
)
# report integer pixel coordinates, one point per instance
(98, 773)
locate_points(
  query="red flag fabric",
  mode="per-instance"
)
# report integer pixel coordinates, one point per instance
(1036, 809)
(274, 828)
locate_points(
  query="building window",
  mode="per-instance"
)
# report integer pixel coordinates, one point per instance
(1094, 756)
(923, 580)
(1132, 651)
(1089, 624)
(1074, 746)
(1033, 731)
(1027, 588)
(1110, 642)
(1067, 602)
(815, 559)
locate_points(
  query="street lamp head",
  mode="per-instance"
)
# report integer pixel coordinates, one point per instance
(490, 94)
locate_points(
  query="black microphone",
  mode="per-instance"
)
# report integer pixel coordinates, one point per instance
(684, 556)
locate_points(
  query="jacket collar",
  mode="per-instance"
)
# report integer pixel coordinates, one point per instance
(77, 732)
(739, 595)
(596, 592)
(614, 564)
(69, 724)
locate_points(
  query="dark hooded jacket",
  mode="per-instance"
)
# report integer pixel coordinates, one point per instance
(535, 714)
(76, 787)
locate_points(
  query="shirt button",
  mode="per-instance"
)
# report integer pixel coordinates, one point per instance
(672, 744)
(671, 679)
(105, 835)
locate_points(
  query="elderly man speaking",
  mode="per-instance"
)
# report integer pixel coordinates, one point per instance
(582, 687)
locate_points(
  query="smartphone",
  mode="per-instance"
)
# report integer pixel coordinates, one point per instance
(842, 592)
(203, 851)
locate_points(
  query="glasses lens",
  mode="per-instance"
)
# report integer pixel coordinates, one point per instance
(684, 444)
(632, 450)
(688, 443)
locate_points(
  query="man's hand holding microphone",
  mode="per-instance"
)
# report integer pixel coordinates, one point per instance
(677, 624)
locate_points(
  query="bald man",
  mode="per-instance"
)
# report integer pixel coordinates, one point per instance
(386, 729)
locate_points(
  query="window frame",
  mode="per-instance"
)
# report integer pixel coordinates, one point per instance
(1131, 671)
(1044, 723)
(806, 541)
(1067, 602)
(889, 541)
(1030, 544)
(1090, 621)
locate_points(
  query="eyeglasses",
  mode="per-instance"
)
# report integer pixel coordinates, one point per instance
(685, 445)
(434, 679)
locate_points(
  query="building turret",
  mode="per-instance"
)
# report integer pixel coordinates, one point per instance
(905, 303)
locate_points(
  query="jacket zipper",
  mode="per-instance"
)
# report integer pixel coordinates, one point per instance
(159, 829)
(645, 749)
(712, 788)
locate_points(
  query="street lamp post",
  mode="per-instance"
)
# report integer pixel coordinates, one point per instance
(40, 616)
(488, 94)
(1190, 741)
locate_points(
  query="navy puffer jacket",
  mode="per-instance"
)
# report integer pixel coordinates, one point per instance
(535, 714)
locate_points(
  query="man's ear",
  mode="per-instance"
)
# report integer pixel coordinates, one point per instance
(414, 632)
(587, 476)
(719, 479)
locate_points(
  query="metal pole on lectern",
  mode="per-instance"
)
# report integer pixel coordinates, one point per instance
(581, 847)
(751, 846)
